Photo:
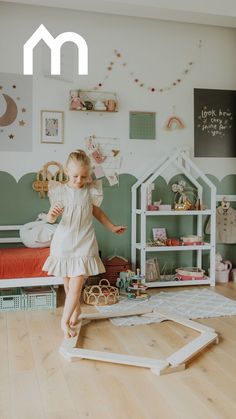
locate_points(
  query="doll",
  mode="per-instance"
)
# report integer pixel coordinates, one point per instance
(76, 102)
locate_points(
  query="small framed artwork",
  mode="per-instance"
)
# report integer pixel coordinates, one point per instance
(52, 127)
(159, 234)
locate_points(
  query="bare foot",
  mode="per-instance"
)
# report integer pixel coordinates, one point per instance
(68, 332)
(74, 320)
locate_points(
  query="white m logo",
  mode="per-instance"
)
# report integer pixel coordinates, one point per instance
(55, 46)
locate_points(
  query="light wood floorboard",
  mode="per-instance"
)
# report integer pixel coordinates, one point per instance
(37, 383)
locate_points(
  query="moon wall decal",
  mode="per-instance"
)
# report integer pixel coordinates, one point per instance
(11, 112)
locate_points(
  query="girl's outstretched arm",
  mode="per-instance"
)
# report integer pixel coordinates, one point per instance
(103, 219)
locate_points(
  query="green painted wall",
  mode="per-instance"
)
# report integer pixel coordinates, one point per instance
(227, 186)
(20, 204)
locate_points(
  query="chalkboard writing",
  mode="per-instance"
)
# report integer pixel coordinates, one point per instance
(214, 123)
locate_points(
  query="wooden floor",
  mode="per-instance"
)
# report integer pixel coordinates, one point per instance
(37, 383)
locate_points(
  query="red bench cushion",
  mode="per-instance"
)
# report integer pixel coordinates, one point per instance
(22, 262)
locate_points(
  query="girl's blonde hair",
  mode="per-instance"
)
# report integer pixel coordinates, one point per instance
(80, 157)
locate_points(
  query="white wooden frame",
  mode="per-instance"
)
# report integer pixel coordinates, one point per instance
(24, 282)
(175, 362)
(181, 161)
(229, 198)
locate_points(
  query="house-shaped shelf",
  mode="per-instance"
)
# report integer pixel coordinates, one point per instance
(179, 164)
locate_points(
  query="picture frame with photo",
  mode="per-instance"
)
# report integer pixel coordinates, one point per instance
(52, 127)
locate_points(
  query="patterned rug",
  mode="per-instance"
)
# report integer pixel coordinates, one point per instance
(192, 304)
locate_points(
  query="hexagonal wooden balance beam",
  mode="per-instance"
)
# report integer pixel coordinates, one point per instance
(173, 363)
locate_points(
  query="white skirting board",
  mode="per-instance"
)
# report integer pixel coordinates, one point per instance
(175, 362)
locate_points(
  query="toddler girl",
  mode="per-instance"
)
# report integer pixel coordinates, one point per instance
(74, 249)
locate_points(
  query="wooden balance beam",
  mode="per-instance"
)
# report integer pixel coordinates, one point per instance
(175, 362)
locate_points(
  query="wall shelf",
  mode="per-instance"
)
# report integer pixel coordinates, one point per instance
(93, 101)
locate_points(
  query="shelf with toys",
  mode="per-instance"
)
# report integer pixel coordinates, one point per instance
(175, 283)
(93, 101)
(175, 212)
(188, 199)
(162, 248)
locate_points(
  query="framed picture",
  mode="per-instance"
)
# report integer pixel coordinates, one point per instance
(52, 127)
(159, 234)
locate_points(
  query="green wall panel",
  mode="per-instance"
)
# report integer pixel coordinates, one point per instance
(117, 206)
(20, 204)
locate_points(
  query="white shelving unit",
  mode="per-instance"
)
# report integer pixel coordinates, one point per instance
(183, 165)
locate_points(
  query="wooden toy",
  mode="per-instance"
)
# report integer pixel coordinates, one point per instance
(123, 282)
(137, 287)
(132, 285)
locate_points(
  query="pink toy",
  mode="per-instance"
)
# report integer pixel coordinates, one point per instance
(98, 156)
(95, 152)
(76, 102)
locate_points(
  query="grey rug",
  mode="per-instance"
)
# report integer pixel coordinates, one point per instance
(191, 304)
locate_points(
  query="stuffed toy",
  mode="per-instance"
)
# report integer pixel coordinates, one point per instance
(37, 233)
(220, 265)
(76, 102)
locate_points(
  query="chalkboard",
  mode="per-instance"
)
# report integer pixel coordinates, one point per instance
(214, 123)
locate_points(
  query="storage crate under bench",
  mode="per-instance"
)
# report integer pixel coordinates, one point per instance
(11, 299)
(28, 298)
(38, 298)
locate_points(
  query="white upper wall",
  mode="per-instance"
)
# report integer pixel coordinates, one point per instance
(156, 51)
(209, 12)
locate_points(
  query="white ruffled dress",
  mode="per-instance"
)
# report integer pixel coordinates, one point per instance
(74, 249)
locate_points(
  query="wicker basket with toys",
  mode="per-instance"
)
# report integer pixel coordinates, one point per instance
(101, 295)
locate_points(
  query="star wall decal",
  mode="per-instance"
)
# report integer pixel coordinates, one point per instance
(15, 118)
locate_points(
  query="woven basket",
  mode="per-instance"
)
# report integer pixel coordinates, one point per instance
(101, 295)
